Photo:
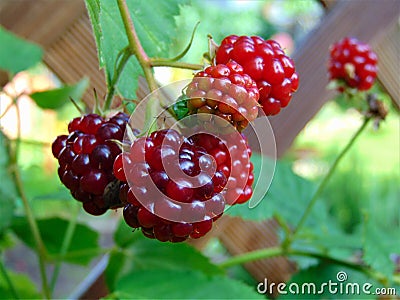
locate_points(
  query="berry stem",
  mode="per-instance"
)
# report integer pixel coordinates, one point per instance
(41, 249)
(8, 280)
(280, 251)
(135, 46)
(325, 180)
(159, 62)
(65, 245)
(117, 72)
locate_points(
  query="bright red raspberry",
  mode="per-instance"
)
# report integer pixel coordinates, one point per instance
(353, 64)
(267, 64)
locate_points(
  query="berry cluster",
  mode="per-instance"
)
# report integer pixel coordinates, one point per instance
(353, 64)
(179, 186)
(173, 185)
(266, 63)
(86, 157)
(225, 91)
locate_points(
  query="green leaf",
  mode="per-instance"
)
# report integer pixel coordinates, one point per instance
(114, 268)
(124, 235)
(155, 25)
(8, 191)
(93, 8)
(180, 107)
(17, 54)
(148, 254)
(288, 196)
(56, 98)
(379, 245)
(164, 284)
(23, 285)
(83, 243)
(320, 276)
(140, 253)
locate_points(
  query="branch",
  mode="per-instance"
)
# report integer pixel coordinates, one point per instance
(135, 46)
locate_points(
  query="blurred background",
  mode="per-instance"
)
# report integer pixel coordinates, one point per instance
(369, 174)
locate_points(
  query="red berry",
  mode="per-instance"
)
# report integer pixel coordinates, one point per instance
(86, 157)
(226, 91)
(159, 192)
(353, 63)
(118, 168)
(267, 65)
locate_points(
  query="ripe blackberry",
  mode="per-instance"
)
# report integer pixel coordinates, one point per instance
(179, 186)
(267, 65)
(353, 64)
(86, 157)
(226, 91)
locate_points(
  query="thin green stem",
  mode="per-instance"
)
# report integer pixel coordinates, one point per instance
(279, 251)
(8, 280)
(117, 72)
(252, 256)
(41, 249)
(174, 64)
(79, 254)
(325, 180)
(135, 46)
(65, 246)
(186, 50)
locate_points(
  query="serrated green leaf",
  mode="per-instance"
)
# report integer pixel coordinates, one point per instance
(148, 254)
(93, 8)
(53, 231)
(8, 192)
(155, 25)
(379, 245)
(164, 284)
(140, 253)
(17, 54)
(23, 285)
(56, 98)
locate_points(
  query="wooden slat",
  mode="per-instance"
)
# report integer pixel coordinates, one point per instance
(242, 236)
(388, 51)
(367, 20)
(41, 21)
(74, 56)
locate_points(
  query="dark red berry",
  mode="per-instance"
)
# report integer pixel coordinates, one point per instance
(86, 157)
(200, 175)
